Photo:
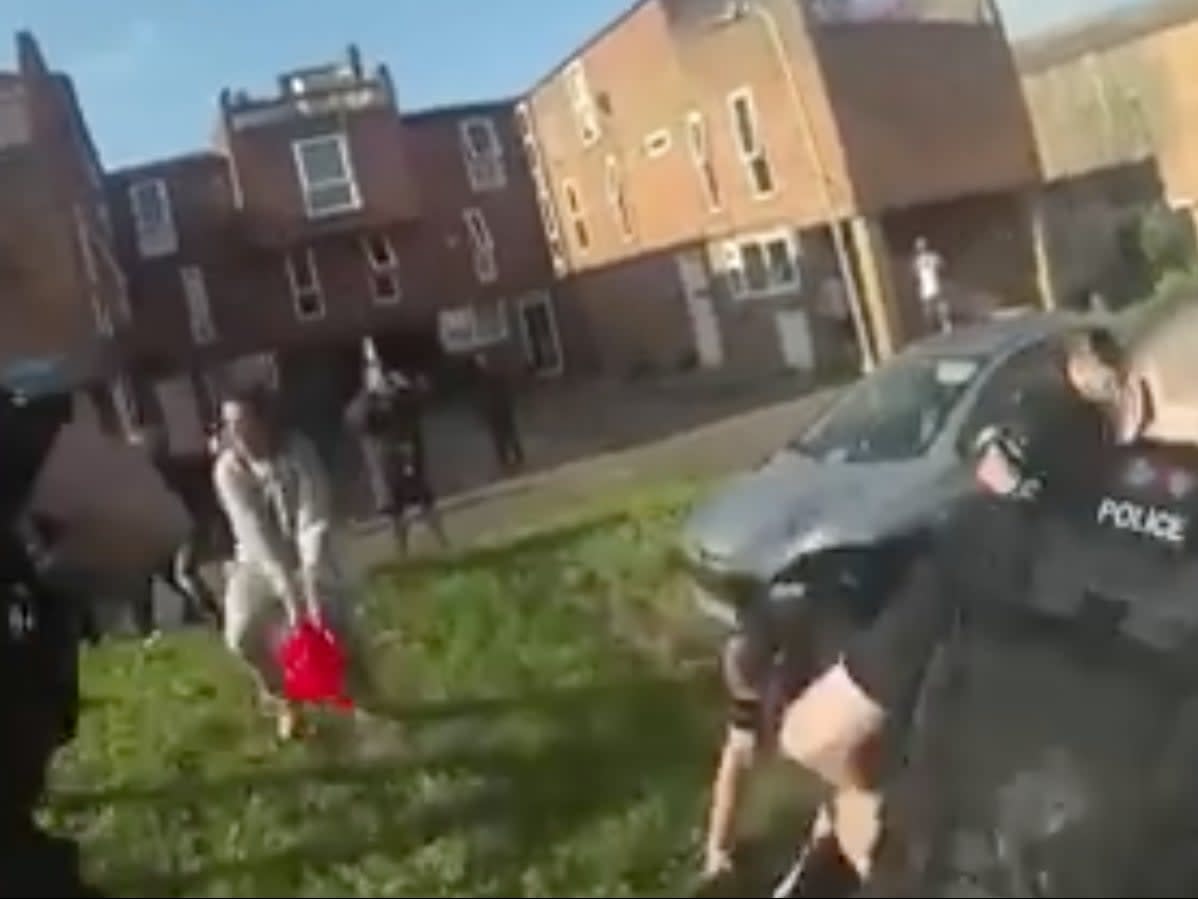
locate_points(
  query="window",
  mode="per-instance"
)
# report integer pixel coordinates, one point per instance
(152, 218)
(577, 214)
(382, 268)
(199, 310)
(304, 279)
(749, 146)
(469, 328)
(658, 144)
(91, 276)
(894, 415)
(617, 198)
(482, 246)
(326, 176)
(700, 152)
(482, 154)
(762, 264)
(582, 103)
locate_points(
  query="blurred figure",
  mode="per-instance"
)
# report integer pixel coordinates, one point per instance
(387, 416)
(189, 477)
(928, 267)
(274, 490)
(498, 411)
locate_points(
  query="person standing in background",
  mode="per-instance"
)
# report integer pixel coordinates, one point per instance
(928, 267)
(387, 416)
(498, 411)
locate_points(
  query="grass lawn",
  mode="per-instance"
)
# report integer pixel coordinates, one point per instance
(552, 735)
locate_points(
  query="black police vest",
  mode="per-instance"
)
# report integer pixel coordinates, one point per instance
(1054, 750)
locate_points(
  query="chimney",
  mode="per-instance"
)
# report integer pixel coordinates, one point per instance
(355, 61)
(30, 61)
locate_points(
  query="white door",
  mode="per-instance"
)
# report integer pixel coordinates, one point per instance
(794, 338)
(696, 286)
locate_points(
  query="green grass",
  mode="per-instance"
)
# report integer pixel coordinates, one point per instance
(548, 735)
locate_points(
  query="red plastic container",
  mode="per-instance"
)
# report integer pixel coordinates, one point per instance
(313, 665)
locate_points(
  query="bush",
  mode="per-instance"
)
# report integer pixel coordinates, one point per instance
(1167, 241)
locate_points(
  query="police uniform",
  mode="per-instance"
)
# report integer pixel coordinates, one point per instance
(1052, 749)
(38, 672)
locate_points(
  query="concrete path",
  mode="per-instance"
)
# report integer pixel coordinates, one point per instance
(710, 451)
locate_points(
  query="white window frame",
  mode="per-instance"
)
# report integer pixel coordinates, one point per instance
(698, 144)
(299, 292)
(462, 330)
(199, 305)
(658, 143)
(348, 180)
(105, 326)
(748, 155)
(153, 239)
(582, 103)
(486, 168)
(617, 197)
(384, 270)
(542, 299)
(576, 210)
(735, 269)
(482, 245)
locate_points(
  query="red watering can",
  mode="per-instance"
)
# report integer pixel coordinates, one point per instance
(313, 664)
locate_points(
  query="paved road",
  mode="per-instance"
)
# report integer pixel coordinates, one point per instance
(711, 451)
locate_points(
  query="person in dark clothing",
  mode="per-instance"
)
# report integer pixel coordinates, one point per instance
(189, 477)
(1051, 458)
(499, 413)
(388, 415)
(38, 666)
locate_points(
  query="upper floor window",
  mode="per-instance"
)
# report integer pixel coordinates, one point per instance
(326, 175)
(307, 295)
(658, 143)
(617, 198)
(482, 245)
(199, 309)
(699, 147)
(482, 154)
(382, 264)
(91, 275)
(577, 214)
(153, 220)
(750, 147)
(582, 103)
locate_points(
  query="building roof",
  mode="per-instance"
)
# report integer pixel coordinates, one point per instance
(1095, 34)
(200, 157)
(459, 110)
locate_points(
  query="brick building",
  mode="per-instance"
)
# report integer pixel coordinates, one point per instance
(323, 215)
(698, 163)
(62, 293)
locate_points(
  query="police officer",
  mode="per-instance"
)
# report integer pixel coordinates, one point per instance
(38, 670)
(1036, 678)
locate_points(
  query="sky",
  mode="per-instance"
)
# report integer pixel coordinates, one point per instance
(149, 71)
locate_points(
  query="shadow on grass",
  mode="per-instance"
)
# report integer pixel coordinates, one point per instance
(585, 755)
(536, 543)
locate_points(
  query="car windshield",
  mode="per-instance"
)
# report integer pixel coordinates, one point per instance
(893, 415)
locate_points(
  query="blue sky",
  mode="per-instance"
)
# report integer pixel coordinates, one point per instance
(149, 71)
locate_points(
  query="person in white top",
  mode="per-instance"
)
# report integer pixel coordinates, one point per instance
(274, 491)
(928, 266)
